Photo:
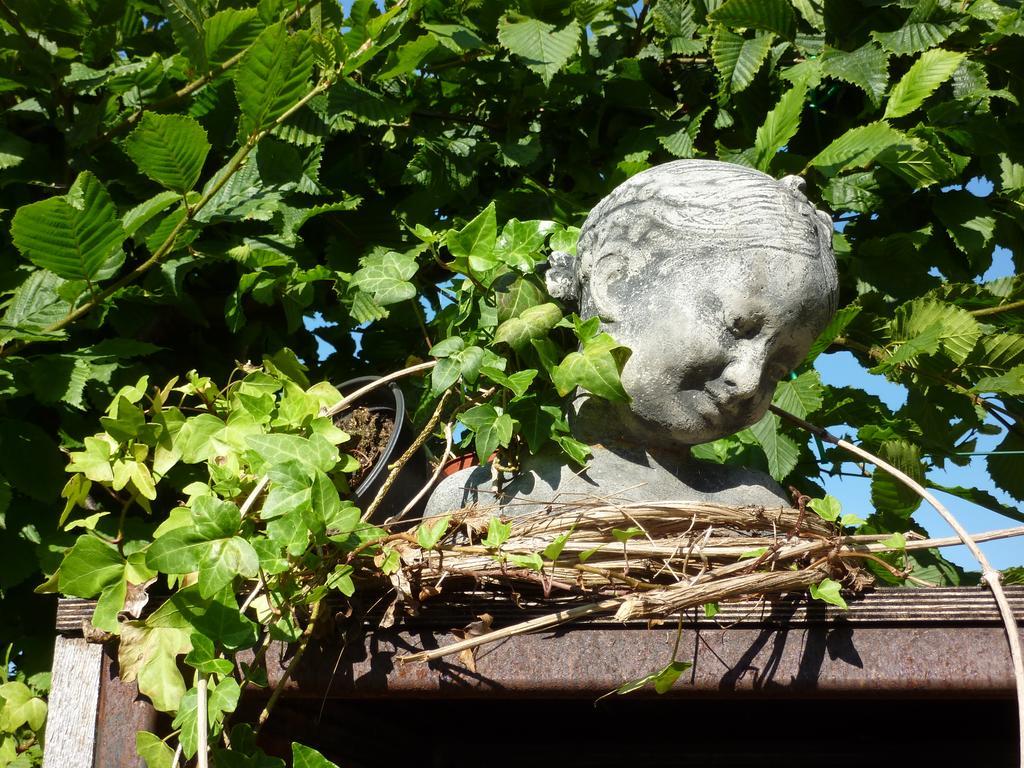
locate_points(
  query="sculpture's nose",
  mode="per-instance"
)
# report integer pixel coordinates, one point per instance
(742, 377)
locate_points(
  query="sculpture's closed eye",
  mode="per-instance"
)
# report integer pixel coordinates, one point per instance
(745, 327)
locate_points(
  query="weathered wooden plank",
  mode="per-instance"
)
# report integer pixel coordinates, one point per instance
(74, 698)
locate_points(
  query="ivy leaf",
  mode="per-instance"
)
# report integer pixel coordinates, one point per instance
(77, 236)
(827, 508)
(531, 561)
(497, 533)
(770, 15)
(490, 427)
(544, 48)
(153, 750)
(930, 71)
(307, 757)
(596, 368)
(272, 76)
(89, 567)
(429, 532)
(222, 561)
(473, 245)
(177, 551)
(970, 222)
(779, 126)
(214, 518)
(532, 323)
(20, 706)
(386, 276)
(169, 149)
(829, 591)
(313, 452)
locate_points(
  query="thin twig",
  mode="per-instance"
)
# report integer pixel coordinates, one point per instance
(986, 311)
(202, 727)
(990, 575)
(396, 468)
(433, 478)
(349, 399)
(251, 499)
(307, 634)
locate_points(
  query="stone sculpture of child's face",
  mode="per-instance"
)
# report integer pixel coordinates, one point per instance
(719, 279)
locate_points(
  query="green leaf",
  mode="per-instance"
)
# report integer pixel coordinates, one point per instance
(554, 549)
(222, 561)
(89, 567)
(930, 71)
(827, 508)
(229, 32)
(307, 757)
(867, 68)
(186, 18)
(770, 15)
(272, 76)
(153, 750)
(77, 236)
(956, 329)
(490, 427)
(531, 561)
(532, 323)
(195, 440)
(36, 305)
(169, 149)
(913, 37)
(1005, 469)
(889, 494)
(596, 368)
(829, 591)
(738, 59)
(544, 48)
(110, 603)
(970, 221)
(623, 535)
(520, 242)
(20, 706)
(497, 533)
(430, 532)
(779, 126)
(473, 245)
(387, 277)
(800, 396)
(782, 453)
(177, 551)
(663, 679)
(857, 147)
(214, 518)
(314, 452)
(1009, 383)
(982, 499)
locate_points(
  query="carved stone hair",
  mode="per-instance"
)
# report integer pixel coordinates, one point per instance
(696, 201)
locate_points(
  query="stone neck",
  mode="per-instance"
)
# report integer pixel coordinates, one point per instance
(598, 422)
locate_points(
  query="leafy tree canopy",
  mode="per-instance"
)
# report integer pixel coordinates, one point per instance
(185, 181)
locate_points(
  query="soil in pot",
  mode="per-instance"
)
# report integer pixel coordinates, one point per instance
(370, 430)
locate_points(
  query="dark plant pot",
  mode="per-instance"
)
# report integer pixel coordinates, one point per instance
(389, 399)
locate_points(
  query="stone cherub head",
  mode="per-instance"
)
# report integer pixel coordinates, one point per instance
(718, 278)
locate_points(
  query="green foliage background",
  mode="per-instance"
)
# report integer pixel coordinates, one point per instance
(185, 180)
